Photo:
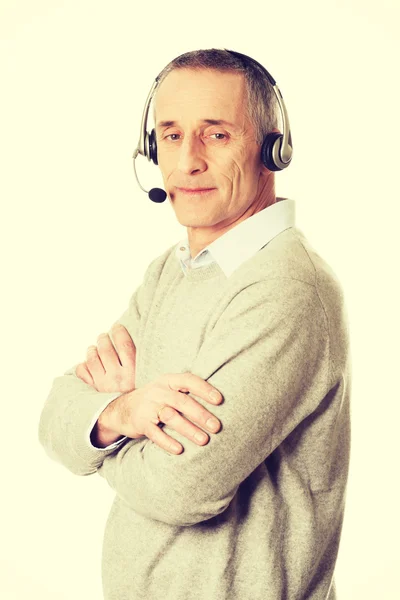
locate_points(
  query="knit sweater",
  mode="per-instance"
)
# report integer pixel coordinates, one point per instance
(229, 250)
(257, 513)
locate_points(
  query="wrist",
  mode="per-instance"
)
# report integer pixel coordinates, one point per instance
(103, 433)
(101, 439)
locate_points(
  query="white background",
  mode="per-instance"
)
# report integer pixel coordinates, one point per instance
(77, 234)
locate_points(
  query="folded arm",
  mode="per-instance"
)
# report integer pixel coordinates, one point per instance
(72, 408)
(268, 355)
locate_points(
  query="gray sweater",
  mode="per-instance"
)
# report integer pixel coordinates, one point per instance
(256, 514)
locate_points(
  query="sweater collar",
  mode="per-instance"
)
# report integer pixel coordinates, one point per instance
(241, 242)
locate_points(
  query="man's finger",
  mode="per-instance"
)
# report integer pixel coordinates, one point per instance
(107, 353)
(94, 364)
(83, 373)
(124, 345)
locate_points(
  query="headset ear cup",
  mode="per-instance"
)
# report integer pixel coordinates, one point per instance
(267, 147)
(153, 147)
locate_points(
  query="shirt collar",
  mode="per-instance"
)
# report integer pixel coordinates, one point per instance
(241, 242)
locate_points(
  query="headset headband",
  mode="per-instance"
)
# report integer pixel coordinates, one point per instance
(286, 146)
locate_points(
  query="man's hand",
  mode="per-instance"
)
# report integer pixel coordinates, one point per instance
(110, 369)
(135, 414)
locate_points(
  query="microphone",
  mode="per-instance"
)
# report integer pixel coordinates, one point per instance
(155, 194)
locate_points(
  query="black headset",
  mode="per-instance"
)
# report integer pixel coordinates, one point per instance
(276, 149)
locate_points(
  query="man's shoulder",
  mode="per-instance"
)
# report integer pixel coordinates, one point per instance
(291, 255)
(289, 269)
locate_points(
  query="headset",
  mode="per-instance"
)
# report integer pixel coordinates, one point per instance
(276, 149)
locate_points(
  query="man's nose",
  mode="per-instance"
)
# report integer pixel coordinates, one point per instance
(191, 156)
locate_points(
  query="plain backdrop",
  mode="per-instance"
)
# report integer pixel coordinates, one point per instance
(77, 234)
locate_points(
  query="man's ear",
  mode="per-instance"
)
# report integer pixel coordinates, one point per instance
(265, 173)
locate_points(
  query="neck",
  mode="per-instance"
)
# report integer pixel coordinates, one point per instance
(200, 237)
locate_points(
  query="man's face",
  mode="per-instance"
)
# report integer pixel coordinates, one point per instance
(207, 151)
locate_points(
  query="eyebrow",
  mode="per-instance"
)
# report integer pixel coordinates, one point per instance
(209, 121)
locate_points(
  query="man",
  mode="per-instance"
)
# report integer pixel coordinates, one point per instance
(245, 307)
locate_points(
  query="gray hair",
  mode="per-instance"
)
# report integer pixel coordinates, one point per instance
(262, 105)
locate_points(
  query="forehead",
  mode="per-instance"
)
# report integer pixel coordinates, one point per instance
(201, 94)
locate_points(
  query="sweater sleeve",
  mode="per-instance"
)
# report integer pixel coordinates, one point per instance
(268, 354)
(73, 407)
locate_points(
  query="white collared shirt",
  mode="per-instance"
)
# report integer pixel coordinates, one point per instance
(242, 241)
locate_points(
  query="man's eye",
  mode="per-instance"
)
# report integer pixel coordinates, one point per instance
(221, 135)
(171, 135)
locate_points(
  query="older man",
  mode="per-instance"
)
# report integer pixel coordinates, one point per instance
(243, 306)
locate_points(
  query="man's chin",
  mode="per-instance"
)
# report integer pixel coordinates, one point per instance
(193, 221)
(192, 218)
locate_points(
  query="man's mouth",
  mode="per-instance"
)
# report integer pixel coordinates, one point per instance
(195, 191)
